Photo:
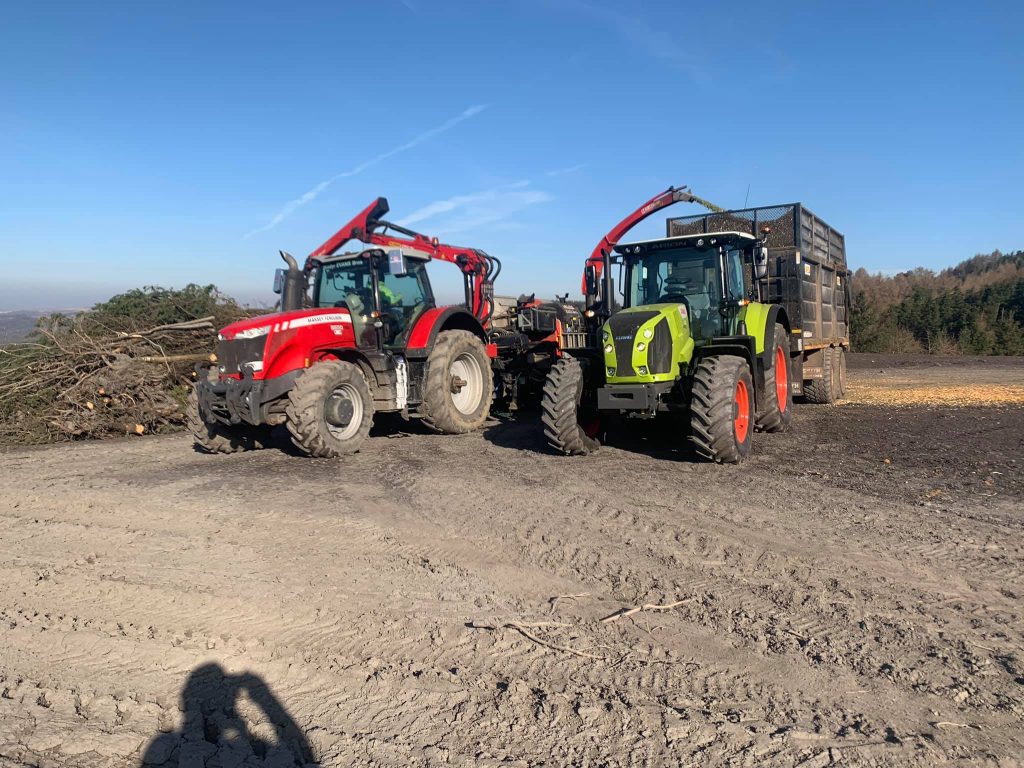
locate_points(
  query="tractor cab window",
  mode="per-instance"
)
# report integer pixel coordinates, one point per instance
(346, 284)
(403, 299)
(687, 276)
(734, 264)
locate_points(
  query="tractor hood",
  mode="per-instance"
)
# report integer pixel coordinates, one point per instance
(647, 343)
(261, 325)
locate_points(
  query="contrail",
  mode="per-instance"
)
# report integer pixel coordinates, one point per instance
(289, 208)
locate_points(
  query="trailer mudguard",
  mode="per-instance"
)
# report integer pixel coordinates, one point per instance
(432, 322)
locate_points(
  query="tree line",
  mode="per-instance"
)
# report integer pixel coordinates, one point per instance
(974, 308)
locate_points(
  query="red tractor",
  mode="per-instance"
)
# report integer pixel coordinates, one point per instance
(360, 333)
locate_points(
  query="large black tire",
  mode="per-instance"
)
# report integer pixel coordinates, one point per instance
(560, 409)
(221, 438)
(722, 409)
(775, 411)
(458, 384)
(823, 391)
(841, 368)
(330, 409)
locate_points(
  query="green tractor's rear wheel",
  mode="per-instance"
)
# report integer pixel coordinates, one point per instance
(722, 409)
(569, 426)
(776, 405)
(330, 409)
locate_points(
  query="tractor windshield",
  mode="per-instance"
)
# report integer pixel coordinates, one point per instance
(349, 284)
(689, 276)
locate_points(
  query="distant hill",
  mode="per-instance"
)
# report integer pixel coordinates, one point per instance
(16, 325)
(976, 307)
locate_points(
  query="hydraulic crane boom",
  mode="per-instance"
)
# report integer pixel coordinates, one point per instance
(479, 268)
(664, 199)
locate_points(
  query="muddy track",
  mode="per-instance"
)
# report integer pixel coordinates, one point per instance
(851, 595)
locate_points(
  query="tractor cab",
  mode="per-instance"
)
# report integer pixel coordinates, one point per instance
(385, 292)
(704, 274)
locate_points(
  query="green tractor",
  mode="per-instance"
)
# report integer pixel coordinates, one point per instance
(692, 338)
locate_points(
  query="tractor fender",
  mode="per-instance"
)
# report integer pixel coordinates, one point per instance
(741, 346)
(760, 320)
(432, 322)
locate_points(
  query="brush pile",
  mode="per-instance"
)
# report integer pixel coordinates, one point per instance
(123, 367)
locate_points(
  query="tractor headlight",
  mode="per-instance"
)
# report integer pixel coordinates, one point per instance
(606, 336)
(648, 333)
(641, 347)
(642, 370)
(608, 349)
(610, 371)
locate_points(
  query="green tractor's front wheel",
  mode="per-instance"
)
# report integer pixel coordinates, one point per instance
(722, 409)
(569, 425)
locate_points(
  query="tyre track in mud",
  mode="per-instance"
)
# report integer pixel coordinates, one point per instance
(743, 597)
(832, 614)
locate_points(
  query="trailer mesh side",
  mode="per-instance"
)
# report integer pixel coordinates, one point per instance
(807, 272)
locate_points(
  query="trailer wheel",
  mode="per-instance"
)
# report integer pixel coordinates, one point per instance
(568, 428)
(221, 438)
(722, 409)
(330, 409)
(776, 410)
(458, 384)
(823, 391)
(841, 367)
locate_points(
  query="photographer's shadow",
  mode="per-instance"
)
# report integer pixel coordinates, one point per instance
(213, 724)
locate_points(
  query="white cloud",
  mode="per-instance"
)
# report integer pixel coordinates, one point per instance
(471, 211)
(563, 171)
(290, 207)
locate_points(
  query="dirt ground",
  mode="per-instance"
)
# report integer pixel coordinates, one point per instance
(852, 595)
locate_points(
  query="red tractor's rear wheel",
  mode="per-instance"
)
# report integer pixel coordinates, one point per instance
(722, 409)
(330, 409)
(458, 384)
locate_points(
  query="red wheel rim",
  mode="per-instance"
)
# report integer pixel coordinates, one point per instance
(591, 426)
(741, 424)
(781, 379)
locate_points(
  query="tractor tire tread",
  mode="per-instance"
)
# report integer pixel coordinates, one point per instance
(305, 401)
(221, 438)
(559, 409)
(711, 408)
(437, 409)
(771, 418)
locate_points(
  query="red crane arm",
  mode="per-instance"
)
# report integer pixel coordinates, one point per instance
(368, 227)
(662, 200)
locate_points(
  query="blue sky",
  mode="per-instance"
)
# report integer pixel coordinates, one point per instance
(186, 142)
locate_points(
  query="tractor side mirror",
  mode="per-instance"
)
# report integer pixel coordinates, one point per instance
(590, 279)
(397, 265)
(279, 275)
(761, 262)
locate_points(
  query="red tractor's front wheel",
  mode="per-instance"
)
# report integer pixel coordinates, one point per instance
(222, 438)
(330, 409)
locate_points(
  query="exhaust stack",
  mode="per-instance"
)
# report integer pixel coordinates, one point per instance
(294, 289)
